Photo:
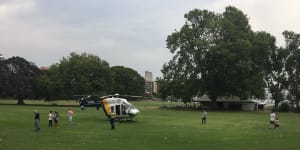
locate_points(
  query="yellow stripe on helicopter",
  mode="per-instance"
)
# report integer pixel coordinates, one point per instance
(106, 106)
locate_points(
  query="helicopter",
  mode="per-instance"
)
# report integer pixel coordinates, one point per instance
(116, 103)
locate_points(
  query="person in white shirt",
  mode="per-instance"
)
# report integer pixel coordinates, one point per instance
(50, 118)
(272, 119)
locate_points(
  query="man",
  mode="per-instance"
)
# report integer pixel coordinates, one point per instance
(36, 121)
(272, 119)
(112, 120)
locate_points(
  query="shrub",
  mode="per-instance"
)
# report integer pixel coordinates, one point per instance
(284, 107)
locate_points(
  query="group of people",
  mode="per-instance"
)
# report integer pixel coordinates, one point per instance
(274, 121)
(51, 116)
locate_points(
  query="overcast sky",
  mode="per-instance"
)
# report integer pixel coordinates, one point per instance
(131, 33)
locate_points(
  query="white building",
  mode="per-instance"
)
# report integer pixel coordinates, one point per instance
(148, 76)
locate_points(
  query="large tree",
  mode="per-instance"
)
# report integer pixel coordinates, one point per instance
(127, 81)
(51, 85)
(217, 54)
(77, 74)
(85, 73)
(293, 64)
(263, 55)
(276, 75)
(3, 76)
(18, 78)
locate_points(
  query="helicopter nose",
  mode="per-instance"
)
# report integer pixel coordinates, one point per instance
(134, 112)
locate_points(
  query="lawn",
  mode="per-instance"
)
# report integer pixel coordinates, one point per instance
(154, 129)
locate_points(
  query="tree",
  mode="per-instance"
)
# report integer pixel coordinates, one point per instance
(190, 46)
(77, 74)
(264, 54)
(51, 85)
(293, 64)
(127, 81)
(162, 90)
(3, 77)
(276, 75)
(18, 78)
(228, 64)
(217, 54)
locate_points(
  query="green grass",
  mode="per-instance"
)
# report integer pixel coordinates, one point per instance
(154, 129)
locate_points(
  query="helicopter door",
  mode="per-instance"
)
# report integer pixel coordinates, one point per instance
(118, 110)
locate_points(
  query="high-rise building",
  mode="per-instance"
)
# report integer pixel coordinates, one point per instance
(148, 76)
(148, 83)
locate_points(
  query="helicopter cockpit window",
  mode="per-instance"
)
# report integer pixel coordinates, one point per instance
(131, 106)
(123, 109)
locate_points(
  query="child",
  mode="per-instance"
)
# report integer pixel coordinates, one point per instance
(70, 115)
(56, 117)
(272, 119)
(276, 123)
(204, 115)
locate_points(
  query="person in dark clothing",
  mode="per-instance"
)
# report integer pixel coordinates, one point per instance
(276, 123)
(56, 117)
(112, 120)
(36, 121)
(204, 115)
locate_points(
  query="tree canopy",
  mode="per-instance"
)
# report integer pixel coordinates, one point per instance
(127, 81)
(217, 54)
(293, 64)
(77, 74)
(87, 74)
(18, 79)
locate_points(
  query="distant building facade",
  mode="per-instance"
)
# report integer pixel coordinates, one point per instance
(155, 87)
(148, 83)
(44, 68)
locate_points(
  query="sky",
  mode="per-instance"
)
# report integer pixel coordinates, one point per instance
(130, 33)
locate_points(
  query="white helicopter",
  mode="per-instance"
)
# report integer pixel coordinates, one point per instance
(112, 104)
(120, 106)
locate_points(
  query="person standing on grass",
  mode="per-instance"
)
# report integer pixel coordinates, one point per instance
(37, 121)
(204, 115)
(50, 118)
(112, 120)
(272, 119)
(70, 115)
(56, 117)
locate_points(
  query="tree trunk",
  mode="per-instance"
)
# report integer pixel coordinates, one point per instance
(276, 105)
(20, 101)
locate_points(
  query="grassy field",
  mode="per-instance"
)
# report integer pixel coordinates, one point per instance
(154, 129)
